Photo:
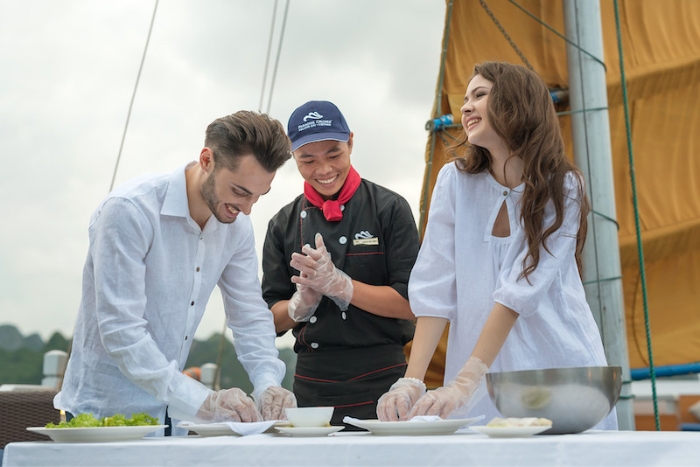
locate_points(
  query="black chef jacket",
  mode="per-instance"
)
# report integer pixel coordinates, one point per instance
(376, 242)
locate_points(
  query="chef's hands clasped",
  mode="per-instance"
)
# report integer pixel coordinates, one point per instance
(234, 405)
(404, 401)
(318, 276)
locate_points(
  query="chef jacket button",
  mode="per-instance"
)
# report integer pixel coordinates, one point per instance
(343, 240)
(505, 193)
(342, 207)
(344, 315)
(313, 319)
(303, 214)
(314, 345)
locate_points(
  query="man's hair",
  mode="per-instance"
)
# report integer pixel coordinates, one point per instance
(248, 133)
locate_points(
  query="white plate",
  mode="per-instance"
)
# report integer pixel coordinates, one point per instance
(510, 431)
(219, 429)
(99, 434)
(309, 431)
(437, 427)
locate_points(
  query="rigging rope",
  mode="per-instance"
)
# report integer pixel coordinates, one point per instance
(277, 60)
(267, 58)
(505, 34)
(640, 249)
(133, 96)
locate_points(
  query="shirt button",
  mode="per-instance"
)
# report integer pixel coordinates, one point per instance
(314, 345)
(197, 268)
(185, 337)
(313, 319)
(343, 240)
(191, 303)
(303, 214)
(344, 316)
(505, 193)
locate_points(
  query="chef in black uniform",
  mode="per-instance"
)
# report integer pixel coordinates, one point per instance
(336, 263)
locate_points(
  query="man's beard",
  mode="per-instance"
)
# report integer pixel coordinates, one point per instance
(211, 200)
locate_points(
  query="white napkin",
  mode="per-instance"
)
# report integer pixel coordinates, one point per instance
(425, 418)
(243, 429)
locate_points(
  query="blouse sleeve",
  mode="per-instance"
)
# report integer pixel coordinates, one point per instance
(431, 288)
(517, 293)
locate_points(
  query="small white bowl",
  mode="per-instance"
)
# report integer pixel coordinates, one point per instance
(309, 416)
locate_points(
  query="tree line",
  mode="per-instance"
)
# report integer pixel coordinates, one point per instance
(22, 358)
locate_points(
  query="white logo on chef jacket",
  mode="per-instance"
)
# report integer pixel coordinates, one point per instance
(364, 237)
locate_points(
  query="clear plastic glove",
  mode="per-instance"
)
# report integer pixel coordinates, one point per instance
(303, 303)
(319, 273)
(228, 405)
(445, 400)
(396, 403)
(272, 402)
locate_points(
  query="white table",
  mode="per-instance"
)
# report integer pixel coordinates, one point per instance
(625, 448)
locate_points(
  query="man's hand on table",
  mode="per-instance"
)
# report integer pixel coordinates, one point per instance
(229, 405)
(273, 401)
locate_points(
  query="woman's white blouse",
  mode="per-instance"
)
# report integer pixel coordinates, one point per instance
(462, 270)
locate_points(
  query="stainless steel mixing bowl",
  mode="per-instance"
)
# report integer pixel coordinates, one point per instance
(574, 399)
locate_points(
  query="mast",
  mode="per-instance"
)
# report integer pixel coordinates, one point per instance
(593, 155)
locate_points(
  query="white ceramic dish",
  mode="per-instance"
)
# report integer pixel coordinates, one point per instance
(220, 429)
(437, 427)
(309, 431)
(510, 431)
(309, 416)
(100, 434)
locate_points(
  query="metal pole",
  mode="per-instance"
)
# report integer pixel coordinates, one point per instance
(593, 155)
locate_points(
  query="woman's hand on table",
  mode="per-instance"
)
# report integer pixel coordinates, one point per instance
(445, 400)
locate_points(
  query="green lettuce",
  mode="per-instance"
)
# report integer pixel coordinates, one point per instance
(86, 420)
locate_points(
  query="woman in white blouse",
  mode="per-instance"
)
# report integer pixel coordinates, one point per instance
(501, 254)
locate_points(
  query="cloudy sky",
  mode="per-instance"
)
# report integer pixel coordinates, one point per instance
(68, 70)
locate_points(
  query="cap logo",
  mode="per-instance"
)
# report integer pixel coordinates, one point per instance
(313, 116)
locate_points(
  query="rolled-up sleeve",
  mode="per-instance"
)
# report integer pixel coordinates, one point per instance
(524, 295)
(248, 316)
(430, 293)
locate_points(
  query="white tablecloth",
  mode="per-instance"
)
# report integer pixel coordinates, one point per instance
(625, 448)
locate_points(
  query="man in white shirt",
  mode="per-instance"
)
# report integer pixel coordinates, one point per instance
(158, 246)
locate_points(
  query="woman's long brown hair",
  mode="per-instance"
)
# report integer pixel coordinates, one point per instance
(522, 114)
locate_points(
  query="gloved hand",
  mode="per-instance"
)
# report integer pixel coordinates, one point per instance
(228, 405)
(445, 400)
(272, 402)
(396, 403)
(318, 272)
(303, 303)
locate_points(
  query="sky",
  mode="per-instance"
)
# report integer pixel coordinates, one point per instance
(67, 75)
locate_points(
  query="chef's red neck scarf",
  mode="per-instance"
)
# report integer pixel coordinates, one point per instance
(331, 208)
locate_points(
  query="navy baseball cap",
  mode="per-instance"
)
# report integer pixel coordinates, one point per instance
(317, 121)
